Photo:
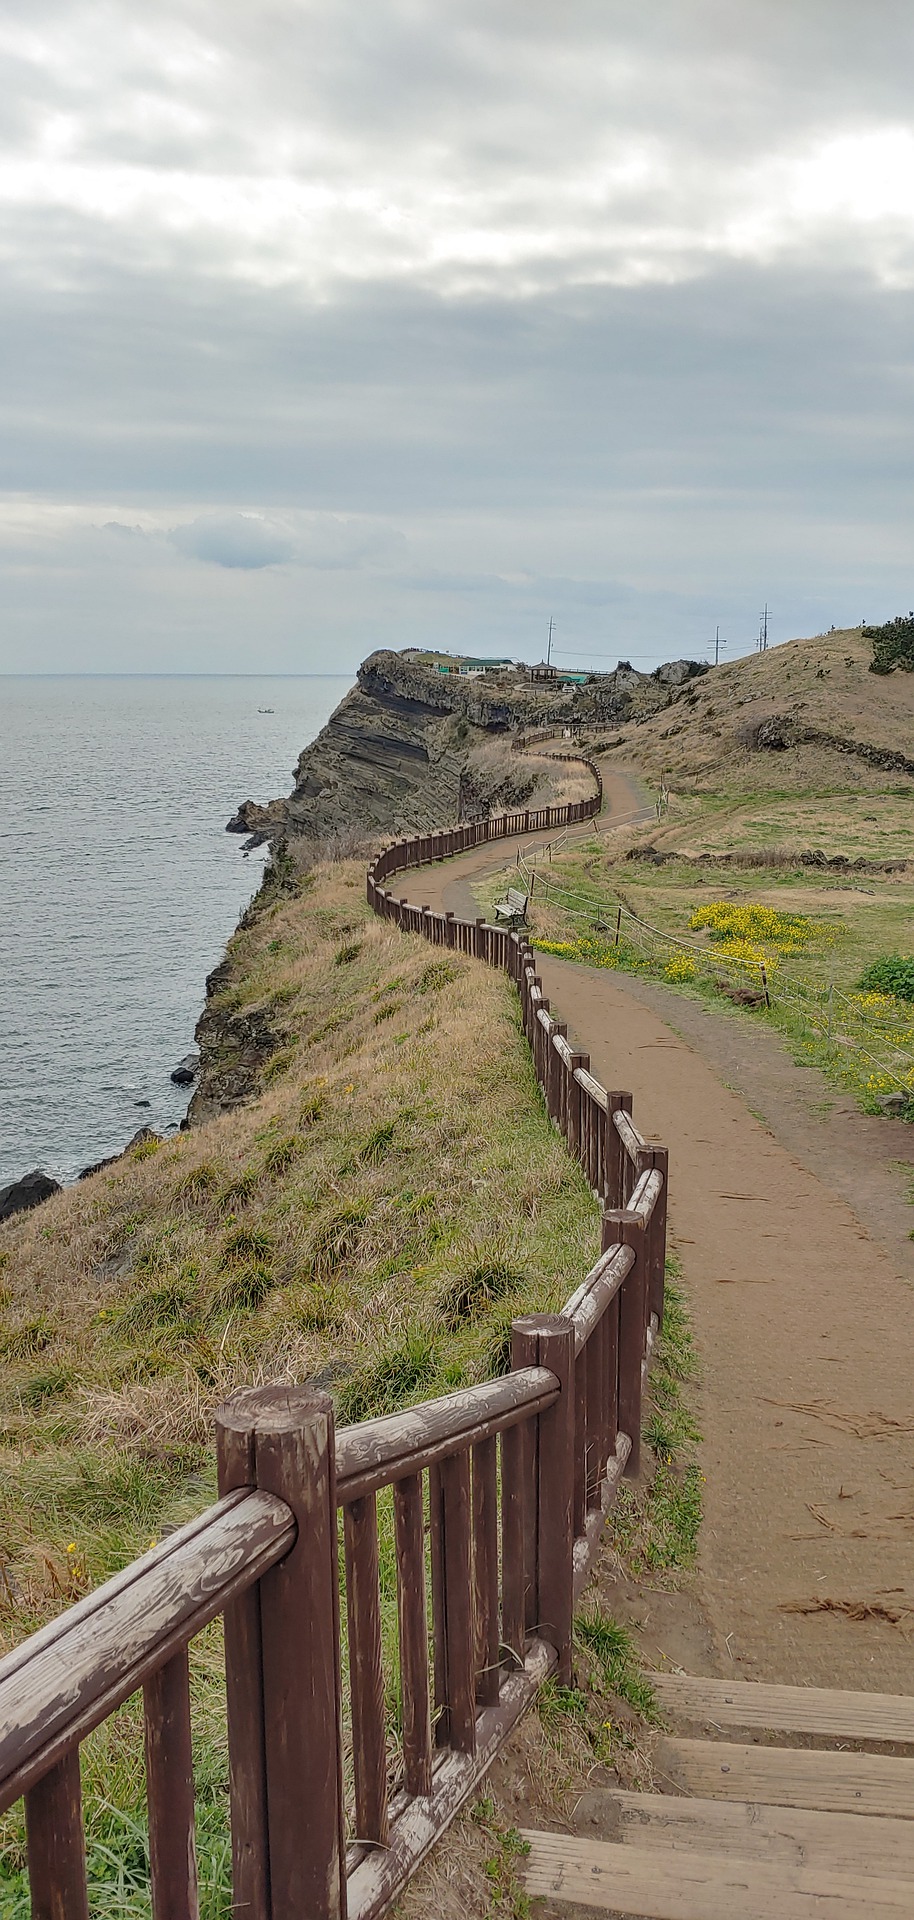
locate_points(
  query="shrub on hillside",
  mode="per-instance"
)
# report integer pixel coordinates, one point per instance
(892, 644)
(891, 973)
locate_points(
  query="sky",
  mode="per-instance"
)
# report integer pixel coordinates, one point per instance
(329, 326)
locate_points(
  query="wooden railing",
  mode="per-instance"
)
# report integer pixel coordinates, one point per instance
(498, 1495)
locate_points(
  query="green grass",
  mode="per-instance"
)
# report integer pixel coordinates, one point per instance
(818, 984)
(348, 1223)
(655, 1527)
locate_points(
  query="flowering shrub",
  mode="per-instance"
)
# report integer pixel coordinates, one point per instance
(680, 967)
(749, 923)
(749, 953)
(593, 951)
(892, 973)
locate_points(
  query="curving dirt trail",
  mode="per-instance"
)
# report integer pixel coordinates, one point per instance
(805, 1327)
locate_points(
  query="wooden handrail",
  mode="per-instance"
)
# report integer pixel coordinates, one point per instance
(377, 1452)
(628, 1134)
(507, 1483)
(65, 1680)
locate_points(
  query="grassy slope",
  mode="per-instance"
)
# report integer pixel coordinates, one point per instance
(375, 1217)
(727, 798)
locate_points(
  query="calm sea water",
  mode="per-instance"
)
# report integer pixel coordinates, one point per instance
(119, 888)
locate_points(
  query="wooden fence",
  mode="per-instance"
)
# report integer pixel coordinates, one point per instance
(499, 1493)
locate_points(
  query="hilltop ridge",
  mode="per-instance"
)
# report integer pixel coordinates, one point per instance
(411, 748)
(807, 714)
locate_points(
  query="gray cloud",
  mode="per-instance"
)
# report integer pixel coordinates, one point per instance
(341, 325)
(233, 540)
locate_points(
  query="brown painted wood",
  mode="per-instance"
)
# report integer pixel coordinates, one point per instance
(581, 1443)
(170, 1791)
(56, 1844)
(57, 1688)
(244, 1698)
(409, 1531)
(661, 1160)
(458, 1600)
(416, 1825)
(524, 1353)
(299, 1605)
(600, 1421)
(366, 1669)
(376, 1452)
(617, 1186)
(439, 1608)
(485, 1571)
(629, 1228)
(513, 1540)
(555, 1482)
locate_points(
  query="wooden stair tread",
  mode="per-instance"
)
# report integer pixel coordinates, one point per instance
(794, 1836)
(668, 1885)
(746, 1703)
(858, 1783)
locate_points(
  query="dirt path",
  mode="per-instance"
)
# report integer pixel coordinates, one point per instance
(805, 1326)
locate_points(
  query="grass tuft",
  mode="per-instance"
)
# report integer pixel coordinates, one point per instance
(386, 1384)
(245, 1244)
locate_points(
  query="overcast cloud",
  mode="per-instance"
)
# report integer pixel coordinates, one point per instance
(329, 326)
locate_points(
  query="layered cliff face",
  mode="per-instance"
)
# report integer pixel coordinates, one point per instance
(409, 749)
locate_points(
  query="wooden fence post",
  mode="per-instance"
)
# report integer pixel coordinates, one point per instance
(56, 1843)
(573, 1125)
(627, 1230)
(616, 1187)
(657, 1281)
(291, 1453)
(552, 1336)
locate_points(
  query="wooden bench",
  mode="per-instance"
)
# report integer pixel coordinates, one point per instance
(513, 908)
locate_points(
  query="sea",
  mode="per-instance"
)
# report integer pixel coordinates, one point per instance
(119, 888)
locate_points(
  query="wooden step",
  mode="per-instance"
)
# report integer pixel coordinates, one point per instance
(744, 1703)
(790, 1836)
(668, 1885)
(872, 1783)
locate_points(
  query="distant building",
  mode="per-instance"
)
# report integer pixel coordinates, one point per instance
(470, 668)
(544, 672)
(468, 665)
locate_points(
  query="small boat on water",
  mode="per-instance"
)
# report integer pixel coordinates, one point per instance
(266, 709)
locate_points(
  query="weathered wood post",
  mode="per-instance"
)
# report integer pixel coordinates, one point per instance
(616, 1186)
(547, 1340)
(556, 1074)
(573, 1128)
(283, 1666)
(657, 1284)
(627, 1230)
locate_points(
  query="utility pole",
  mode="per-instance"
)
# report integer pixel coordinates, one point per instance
(763, 630)
(718, 643)
(549, 643)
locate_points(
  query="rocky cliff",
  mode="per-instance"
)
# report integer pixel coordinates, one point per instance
(410, 749)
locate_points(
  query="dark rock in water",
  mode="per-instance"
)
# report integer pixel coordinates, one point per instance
(186, 1071)
(142, 1103)
(28, 1192)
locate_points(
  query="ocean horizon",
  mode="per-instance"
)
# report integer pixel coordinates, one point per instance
(120, 887)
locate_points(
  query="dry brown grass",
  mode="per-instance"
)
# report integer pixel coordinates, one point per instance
(320, 1230)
